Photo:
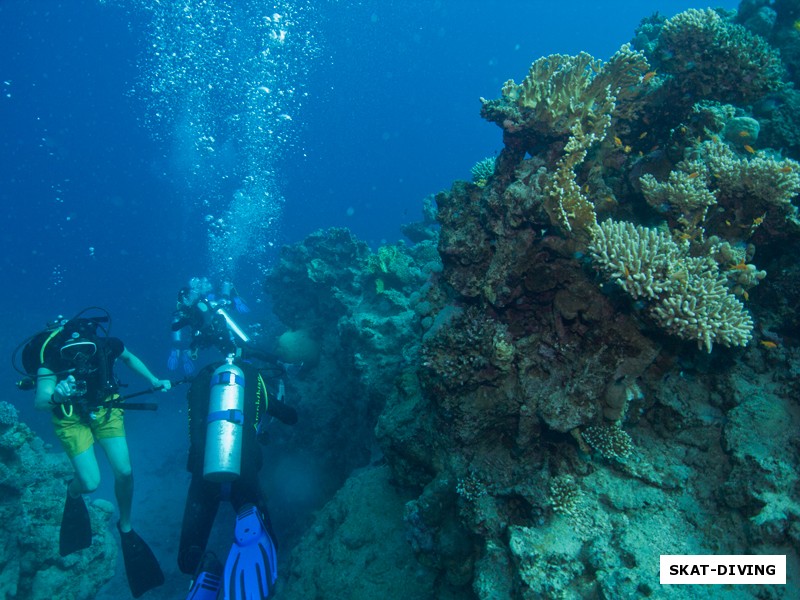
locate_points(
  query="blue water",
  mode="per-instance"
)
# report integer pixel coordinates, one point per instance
(370, 107)
(101, 208)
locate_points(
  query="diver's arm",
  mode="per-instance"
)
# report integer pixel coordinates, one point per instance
(45, 387)
(137, 366)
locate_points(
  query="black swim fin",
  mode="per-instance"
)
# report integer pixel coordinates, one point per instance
(76, 527)
(141, 566)
(252, 566)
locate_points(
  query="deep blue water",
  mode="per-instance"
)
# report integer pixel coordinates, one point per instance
(101, 210)
(99, 213)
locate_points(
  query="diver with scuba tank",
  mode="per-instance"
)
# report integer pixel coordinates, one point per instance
(70, 366)
(202, 319)
(230, 405)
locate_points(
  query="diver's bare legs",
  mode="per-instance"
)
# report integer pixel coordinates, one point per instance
(116, 449)
(87, 473)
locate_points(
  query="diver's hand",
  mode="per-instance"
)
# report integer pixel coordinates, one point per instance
(291, 369)
(188, 363)
(162, 385)
(241, 307)
(172, 361)
(64, 389)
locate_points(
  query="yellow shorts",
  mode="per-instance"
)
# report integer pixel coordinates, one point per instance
(78, 434)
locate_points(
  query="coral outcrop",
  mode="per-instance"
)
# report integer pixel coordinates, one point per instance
(357, 547)
(583, 369)
(31, 503)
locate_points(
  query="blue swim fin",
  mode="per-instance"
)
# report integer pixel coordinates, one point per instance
(207, 580)
(252, 566)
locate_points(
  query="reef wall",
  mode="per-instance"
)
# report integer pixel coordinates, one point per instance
(599, 364)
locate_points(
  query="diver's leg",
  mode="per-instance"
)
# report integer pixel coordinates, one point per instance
(116, 449)
(75, 532)
(247, 490)
(202, 502)
(87, 473)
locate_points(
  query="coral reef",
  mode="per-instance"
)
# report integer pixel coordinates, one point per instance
(583, 368)
(33, 490)
(361, 312)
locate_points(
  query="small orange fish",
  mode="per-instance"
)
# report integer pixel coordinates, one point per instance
(744, 134)
(740, 266)
(694, 175)
(642, 135)
(627, 149)
(786, 169)
(759, 220)
(749, 148)
(648, 76)
(617, 141)
(768, 344)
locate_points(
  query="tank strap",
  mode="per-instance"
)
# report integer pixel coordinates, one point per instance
(232, 415)
(226, 378)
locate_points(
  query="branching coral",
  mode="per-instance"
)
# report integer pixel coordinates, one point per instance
(565, 496)
(611, 441)
(686, 295)
(482, 171)
(685, 193)
(751, 186)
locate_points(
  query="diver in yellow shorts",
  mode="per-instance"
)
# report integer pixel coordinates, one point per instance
(75, 380)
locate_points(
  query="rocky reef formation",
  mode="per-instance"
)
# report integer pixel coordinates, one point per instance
(588, 369)
(31, 504)
(350, 553)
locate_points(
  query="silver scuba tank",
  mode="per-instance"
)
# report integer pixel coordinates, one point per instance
(223, 452)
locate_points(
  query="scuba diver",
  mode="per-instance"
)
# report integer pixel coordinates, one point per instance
(202, 319)
(229, 409)
(70, 365)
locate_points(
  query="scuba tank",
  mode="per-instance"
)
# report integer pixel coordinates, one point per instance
(225, 424)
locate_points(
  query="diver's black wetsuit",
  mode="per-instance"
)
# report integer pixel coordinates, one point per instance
(204, 496)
